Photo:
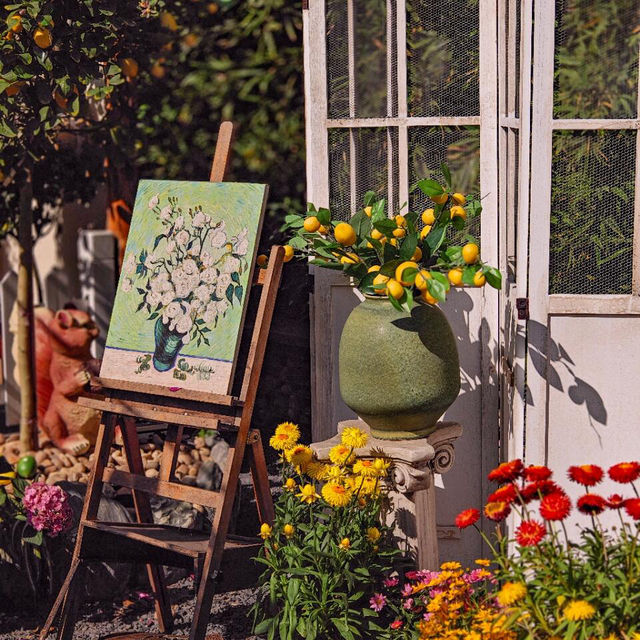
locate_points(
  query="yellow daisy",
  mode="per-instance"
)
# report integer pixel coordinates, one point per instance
(308, 494)
(334, 472)
(290, 485)
(316, 470)
(483, 562)
(286, 436)
(265, 531)
(300, 455)
(345, 543)
(354, 437)
(579, 610)
(510, 593)
(336, 494)
(382, 466)
(289, 428)
(373, 534)
(366, 468)
(366, 486)
(288, 531)
(341, 455)
(450, 566)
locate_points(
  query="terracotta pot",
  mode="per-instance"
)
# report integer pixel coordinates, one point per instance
(398, 371)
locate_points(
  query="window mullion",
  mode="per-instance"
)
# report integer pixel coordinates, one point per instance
(403, 134)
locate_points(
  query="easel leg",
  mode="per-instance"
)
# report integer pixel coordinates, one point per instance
(260, 478)
(143, 514)
(71, 604)
(44, 632)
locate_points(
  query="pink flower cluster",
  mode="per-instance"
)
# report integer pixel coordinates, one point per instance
(47, 508)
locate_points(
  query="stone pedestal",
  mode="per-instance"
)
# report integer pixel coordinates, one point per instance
(413, 498)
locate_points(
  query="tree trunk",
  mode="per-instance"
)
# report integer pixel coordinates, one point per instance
(26, 338)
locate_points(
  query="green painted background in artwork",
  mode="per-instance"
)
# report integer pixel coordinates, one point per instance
(239, 205)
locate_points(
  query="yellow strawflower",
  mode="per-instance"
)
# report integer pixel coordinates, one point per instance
(290, 485)
(483, 562)
(366, 468)
(450, 566)
(345, 543)
(316, 470)
(300, 455)
(366, 486)
(265, 531)
(308, 494)
(354, 437)
(510, 593)
(373, 534)
(288, 531)
(334, 472)
(286, 436)
(336, 494)
(341, 455)
(382, 466)
(579, 610)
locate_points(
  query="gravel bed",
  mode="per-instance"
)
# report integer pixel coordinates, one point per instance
(229, 616)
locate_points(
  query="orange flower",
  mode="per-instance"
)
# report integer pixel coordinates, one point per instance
(507, 471)
(497, 511)
(624, 472)
(587, 475)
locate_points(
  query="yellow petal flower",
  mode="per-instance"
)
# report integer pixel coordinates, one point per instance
(290, 485)
(510, 593)
(288, 530)
(345, 543)
(336, 494)
(308, 494)
(579, 610)
(341, 455)
(373, 534)
(354, 437)
(265, 531)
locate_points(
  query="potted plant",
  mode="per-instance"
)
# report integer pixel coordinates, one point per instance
(398, 360)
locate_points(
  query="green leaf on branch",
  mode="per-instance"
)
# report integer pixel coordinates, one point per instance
(493, 276)
(408, 247)
(385, 226)
(324, 216)
(440, 277)
(436, 289)
(389, 268)
(446, 173)
(430, 187)
(369, 198)
(467, 275)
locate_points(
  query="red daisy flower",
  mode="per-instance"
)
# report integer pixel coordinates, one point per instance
(530, 532)
(466, 518)
(535, 473)
(587, 475)
(624, 472)
(591, 504)
(505, 493)
(632, 507)
(507, 471)
(615, 501)
(555, 506)
(396, 624)
(535, 490)
(497, 511)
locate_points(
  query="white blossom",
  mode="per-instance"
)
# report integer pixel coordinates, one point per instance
(165, 213)
(190, 267)
(168, 296)
(184, 323)
(203, 292)
(208, 276)
(182, 237)
(130, 264)
(153, 202)
(179, 223)
(241, 242)
(206, 258)
(171, 245)
(199, 220)
(153, 298)
(126, 285)
(173, 310)
(219, 237)
(221, 306)
(150, 259)
(231, 264)
(224, 280)
(210, 313)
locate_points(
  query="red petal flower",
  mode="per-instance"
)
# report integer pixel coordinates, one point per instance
(497, 511)
(535, 473)
(505, 493)
(530, 532)
(615, 501)
(466, 518)
(632, 507)
(624, 472)
(587, 475)
(591, 504)
(396, 624)
(507, 471)
(535, 490)
(555, 506)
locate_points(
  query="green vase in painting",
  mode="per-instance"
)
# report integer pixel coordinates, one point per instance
(168, 345)
(399, 371)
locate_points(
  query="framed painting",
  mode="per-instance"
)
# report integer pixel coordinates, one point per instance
(181, 299)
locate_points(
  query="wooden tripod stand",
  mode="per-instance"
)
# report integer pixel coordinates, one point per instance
(162, 544)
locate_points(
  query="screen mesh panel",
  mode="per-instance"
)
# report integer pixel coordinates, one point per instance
(510, 184)
(374, 73)
(370, 165)
(459, 148)
(512, 77)
(592, 199)
(443, 58)
(596, 59)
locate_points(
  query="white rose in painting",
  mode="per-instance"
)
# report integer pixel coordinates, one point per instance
(168, 296)
(231, 264)
(153, 298)
(199, 220)
(179, 223)
(183, 288)
(210, 313)
(198, 306)
(206, 258)
(178, 274)
(126, 285)
(173, 310)
(208, 276)
(203, 292)
(219, 238)
(221, 306)
(190, 267)
(224, 280)
(182, 237)
(130, 264)
(184, 324)
(171, 245)
(153, 202)
(150, 259)
(241, 242)
(165, 213)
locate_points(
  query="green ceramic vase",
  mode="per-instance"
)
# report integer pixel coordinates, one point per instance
(398, 371)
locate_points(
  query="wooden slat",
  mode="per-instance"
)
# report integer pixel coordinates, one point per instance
(158, 389)
(568, 304)
(154, 486)
(604, 123)
(400, 121)
(160, 413)
(260, 477)
(170, 452)
(222, 154)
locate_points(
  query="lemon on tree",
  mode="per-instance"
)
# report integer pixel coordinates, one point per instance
(311, 224)
(42, 37)
(427, 297)
(470, 252)
(455, 276)
(440, 198)
(417, 255)
(377, 235)
(459, 198)
(458, 212)
(409, 264)
(374, 268)
(421, 279)
(395, 289)
(14, 23)
(367, 211)
(352, 258)
(428, 216)
(380, 283)
(345, 234)
(425, 231)
(400, 232)
(400, 221)
(288, 252)
(478, 279)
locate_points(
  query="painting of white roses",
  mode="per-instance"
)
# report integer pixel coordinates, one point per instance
(182, 294)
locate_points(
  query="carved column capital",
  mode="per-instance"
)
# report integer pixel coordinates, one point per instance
(409, 477)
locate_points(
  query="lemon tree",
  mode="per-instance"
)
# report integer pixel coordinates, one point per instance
(406, 256)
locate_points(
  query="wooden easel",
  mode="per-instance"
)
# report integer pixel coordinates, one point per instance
(158, 545)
